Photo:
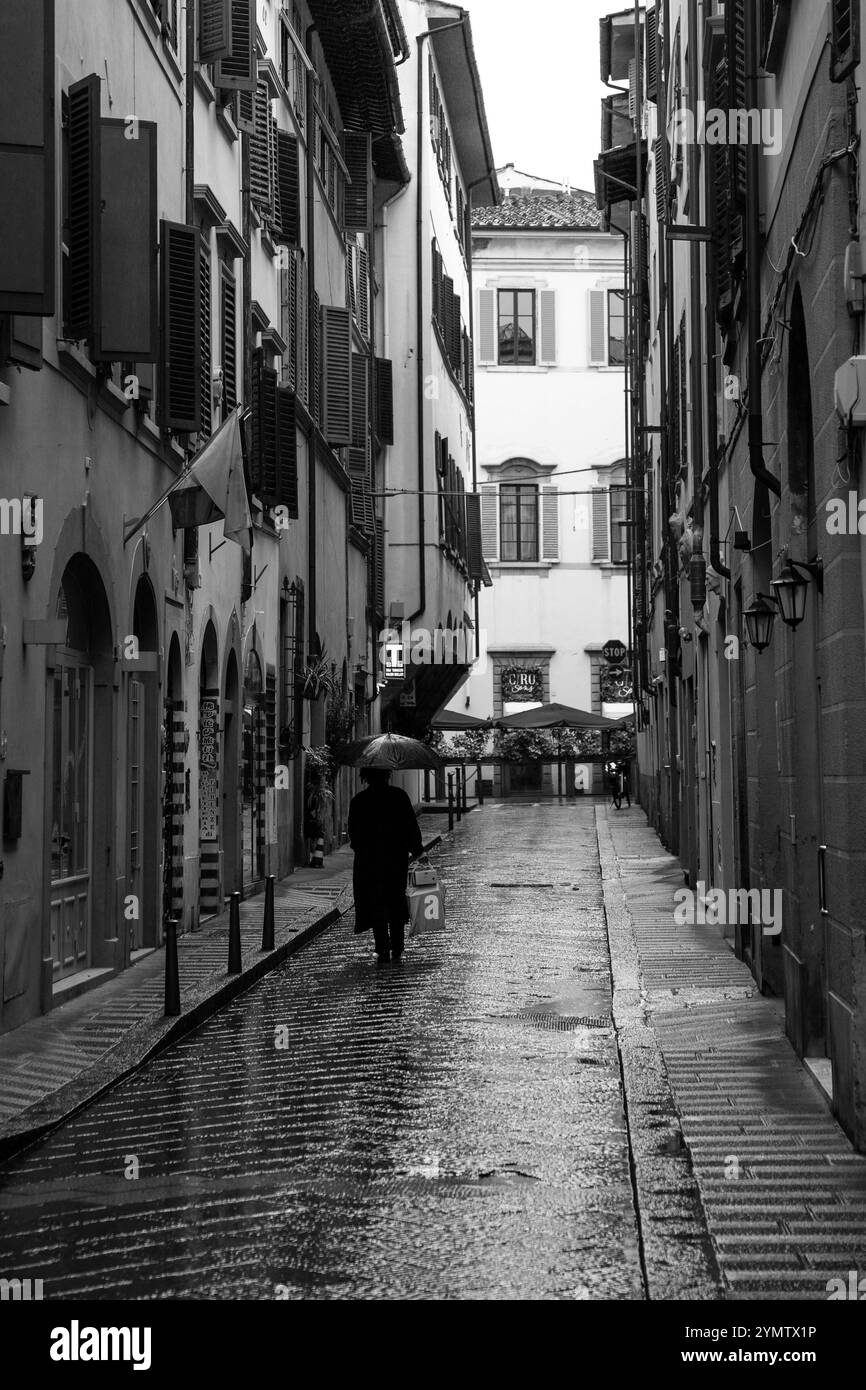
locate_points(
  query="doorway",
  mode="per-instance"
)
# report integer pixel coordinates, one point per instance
(143, 771)
(79, 808)
(253, 775)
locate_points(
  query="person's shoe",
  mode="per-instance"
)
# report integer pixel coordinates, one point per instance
(382, 958)
(397, 957)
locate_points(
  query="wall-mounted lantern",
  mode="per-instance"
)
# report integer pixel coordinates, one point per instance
(759, 620)
(790, 589)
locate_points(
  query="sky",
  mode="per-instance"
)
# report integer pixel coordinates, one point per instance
(538, 61)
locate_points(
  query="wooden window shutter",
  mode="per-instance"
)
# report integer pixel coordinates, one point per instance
(438, 307)
(720, 179)
(245, 112)
(844, 38)
(228, 338)
(364, 291)
(286, 490)
(474, 545)
(262, 461)
(126, 292)
(315, 357)
(214, 30)
(351, 297)
(598, 355)
(663, 179)
(84, 198)
(239, 71)
(632, 90)
(550, 523)
(180, 381)
(487, 328)
(205, 332)
(358, 207)
(652, 55)
(27, 225)
(383, 383)
(447, 320)
(288, 189)
(21, 341)
(260, 149)
(379, 589)
(360, 400)
(361, 498)
(456, 345)
(735, 45)
(600, 524)
(547, 327)
(336, 375)
(490, 521)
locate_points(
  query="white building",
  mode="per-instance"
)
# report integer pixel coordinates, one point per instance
(549, 340)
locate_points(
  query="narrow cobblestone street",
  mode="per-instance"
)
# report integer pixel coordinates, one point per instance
(451, 1128)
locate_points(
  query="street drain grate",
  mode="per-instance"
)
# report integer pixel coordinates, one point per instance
(522, 885)
(563, 1023)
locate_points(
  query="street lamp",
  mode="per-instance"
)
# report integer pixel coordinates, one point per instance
(790, 589)
(759, 620)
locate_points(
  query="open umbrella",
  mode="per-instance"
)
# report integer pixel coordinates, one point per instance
(453, 720)
(556, 716)
(388, 750)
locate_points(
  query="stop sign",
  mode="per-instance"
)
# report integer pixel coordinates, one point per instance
(614, 652)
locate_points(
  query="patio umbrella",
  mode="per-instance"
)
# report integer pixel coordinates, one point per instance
(388, 751)
(556, 716)
(453, 719)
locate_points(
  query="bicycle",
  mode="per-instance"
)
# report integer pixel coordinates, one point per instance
(620, 788)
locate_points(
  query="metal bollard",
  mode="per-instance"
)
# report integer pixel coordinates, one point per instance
(268, 922)
(463, 786)
(450, 801)
(172, 976)
(235, 934)
(479, 786)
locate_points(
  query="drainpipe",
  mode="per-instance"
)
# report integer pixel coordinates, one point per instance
(421, 320)
(311, 357)
(753, 268)
(467, 239)
(696, 325)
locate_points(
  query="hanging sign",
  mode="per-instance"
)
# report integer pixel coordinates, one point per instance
(522, 683)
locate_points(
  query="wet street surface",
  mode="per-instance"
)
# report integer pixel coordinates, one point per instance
(449, 1128)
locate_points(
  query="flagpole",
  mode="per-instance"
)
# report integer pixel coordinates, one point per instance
(182, 477)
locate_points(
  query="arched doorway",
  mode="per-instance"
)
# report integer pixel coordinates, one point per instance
(209, 774)
(79, 808)
(142, 805)
(253, 772)
(232, 855)
(174, 785)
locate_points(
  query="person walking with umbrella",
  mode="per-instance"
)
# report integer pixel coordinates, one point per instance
(385, 834)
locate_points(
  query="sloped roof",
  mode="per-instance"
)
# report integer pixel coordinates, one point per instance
(541, 211)
(357, 44)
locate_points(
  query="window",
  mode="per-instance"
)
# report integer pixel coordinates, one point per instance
(517, 327)
(607, 327)
(616, 328)
(609, 511)
(518, 521)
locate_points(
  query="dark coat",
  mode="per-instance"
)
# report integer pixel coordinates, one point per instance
(383, 832)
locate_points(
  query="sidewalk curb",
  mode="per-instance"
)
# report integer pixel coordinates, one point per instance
(680, 1261)
(157, 1033)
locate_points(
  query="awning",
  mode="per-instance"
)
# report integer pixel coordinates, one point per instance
(408, 706)
(556, 716)
(453, 719)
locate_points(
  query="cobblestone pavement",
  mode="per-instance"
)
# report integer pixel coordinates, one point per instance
(451, 1128)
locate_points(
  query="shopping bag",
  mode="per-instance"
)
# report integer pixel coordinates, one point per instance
(426, 899)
